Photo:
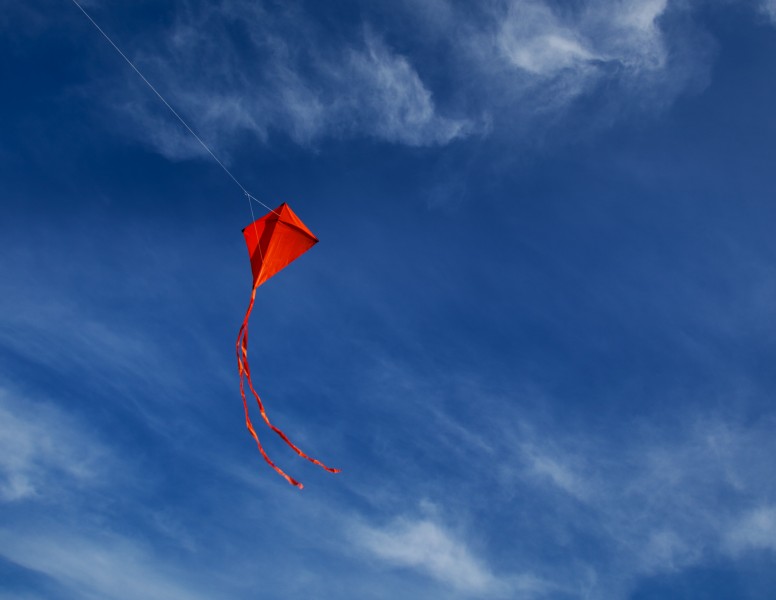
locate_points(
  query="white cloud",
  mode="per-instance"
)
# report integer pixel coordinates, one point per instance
(420, 73)
(769, 8)
(285, 76)
(538, 37)
(553, 56)
(40, 447)
(559, 471)
(657, 501)
(431, 549)
(532, 38)
(755, 530)
(261, 72)
(394, 98)
(102, 566)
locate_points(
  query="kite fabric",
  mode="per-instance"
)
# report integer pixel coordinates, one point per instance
(274, 242)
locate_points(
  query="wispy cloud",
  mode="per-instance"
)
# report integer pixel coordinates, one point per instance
(428, 74)
(99, 565)
(428, 547)
(43, 449)
(769, 8)
(656, 501)
(530, 65)
(578, 44)
(533, 39)
(261, 72)
(754, 530)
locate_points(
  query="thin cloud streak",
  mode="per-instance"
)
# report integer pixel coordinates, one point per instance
(43, 449)
(104, 566)
(427, 547)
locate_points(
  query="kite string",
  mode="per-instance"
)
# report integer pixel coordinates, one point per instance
(173, 111)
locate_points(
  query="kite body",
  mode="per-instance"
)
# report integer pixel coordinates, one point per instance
(274, 242)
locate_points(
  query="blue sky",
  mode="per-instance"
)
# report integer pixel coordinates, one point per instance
(537, 335)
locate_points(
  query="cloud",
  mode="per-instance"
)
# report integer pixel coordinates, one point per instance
(428, 547)
(533, 39)
(544, 41)
(769, 8)
(395, 99)
(545, 70)
(43, 449)
(261, 73)
(416, 73)
(98, 566)
(537, 60)
(754, 530)
(655, 501)
(562, 472)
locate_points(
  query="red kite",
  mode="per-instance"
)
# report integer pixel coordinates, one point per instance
(274, 241)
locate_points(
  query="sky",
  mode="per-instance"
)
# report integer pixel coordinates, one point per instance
(537, 334)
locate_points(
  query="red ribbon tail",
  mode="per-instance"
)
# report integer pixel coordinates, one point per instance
(242, 366)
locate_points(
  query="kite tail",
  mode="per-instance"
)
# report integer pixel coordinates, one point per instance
(242, 367)
(245, 373)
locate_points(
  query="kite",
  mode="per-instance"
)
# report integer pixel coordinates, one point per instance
(274, 241)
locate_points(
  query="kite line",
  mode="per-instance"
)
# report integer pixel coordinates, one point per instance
(248, 195)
